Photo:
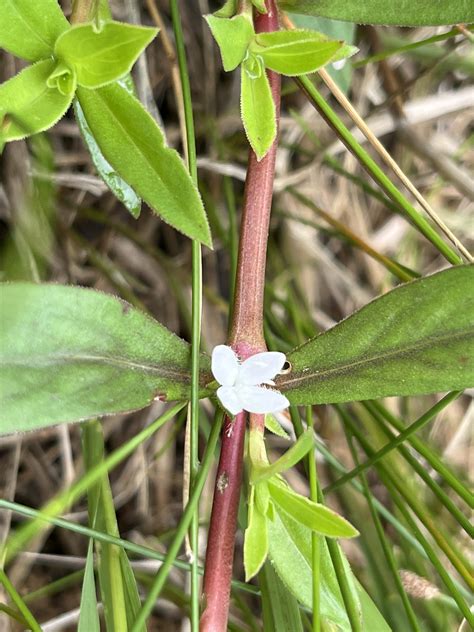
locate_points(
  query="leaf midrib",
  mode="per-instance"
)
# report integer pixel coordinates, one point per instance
(64, 358)
(289, 382)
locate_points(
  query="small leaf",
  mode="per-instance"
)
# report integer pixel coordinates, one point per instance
(63, 79)
(101, 57)
(28, 105)
(292, 456)
(69, 354)
(134, 145)
(89, 617)
(233, 37)
(256, 539)
(290, 553)
(418, 338)
(295, 53)
(314, 516)
(28, 29)
(257, 107)
(404, 13)
(337, 30)
(116, 184)
(273, 426)
(228, 9)
(260, 6)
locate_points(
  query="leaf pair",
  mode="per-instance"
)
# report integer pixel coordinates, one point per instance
(87, 60)
(290, 53)
(66, 56)
(69, 353)
(270, 495)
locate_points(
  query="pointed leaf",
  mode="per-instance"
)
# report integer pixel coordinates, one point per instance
(134, 145)
(314, 516)
(290, 553)
(29, 29)
(101, 56)
(273, 426)
(418, 338)
(28, 105)
(257, 107)
(69, 354)
(402, 13)
(116, 184)
(233, 37)
(256, 539)
(89, 617)
(295, 53)
(292, 456)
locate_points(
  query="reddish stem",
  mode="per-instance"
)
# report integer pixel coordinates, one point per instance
(246, 338)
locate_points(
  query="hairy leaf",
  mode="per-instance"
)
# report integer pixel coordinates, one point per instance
(28, 105)
(314, 516)
(233, 38)
(290, 553)
(69, 354)
(134, 145)
(273, 426)
(256, 539)
(401, 13)
(336, 30)
(28, 29)
(257, 107)
(121, 189)
(101, 56)
(418, 338)
(295, 53)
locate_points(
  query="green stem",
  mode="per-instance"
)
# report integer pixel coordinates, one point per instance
(401, 438)
(62, 501)
(19, 603)
(196, 310)
(374, 170)
(184, 523)
(107, 538)
(315, 547)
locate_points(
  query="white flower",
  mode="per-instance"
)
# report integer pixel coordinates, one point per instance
(241, 383)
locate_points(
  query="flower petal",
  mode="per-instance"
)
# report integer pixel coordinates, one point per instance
(261, 367)
(258, 399)
(230, 399)
(225, 365)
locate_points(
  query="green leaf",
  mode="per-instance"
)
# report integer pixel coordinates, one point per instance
(233, 37)
(292, 456)
(228, 9)
(290, 553)
(418, 338)
(89, 617)
(63, 79)
(134, 145)
(69, 354)
(334, 29)
(273, 426)
(402, 13)
(295, 53)
(28, 29)
(260, 6)
(257, 106)
(256, 538)
(314, 516)
(102, 56)
(116, 184)
(28, 105)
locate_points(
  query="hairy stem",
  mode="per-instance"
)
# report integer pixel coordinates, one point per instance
(246, 338)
